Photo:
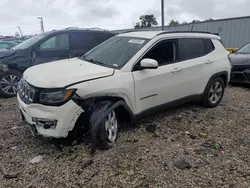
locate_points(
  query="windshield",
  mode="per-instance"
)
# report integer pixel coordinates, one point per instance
(27, 43)
(116, 51)
(245, 49)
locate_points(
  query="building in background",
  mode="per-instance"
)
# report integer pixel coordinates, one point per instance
(234, 32)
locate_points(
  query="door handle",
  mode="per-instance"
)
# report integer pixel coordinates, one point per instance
(176, 70)
(209, 61)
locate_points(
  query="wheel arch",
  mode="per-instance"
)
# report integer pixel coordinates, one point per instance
(222, 74)
(124, 111)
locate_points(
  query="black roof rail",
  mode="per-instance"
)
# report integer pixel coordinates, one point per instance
(205, 32)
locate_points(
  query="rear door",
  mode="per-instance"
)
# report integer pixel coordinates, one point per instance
(52, 49)
(81, 42)
(195, 64)
(101, 37)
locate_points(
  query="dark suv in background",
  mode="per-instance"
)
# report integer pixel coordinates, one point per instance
(50, 46)
(241, 65)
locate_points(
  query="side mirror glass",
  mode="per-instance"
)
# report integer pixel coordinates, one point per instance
(148, 64)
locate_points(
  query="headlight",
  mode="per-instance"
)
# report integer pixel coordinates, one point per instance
(57, 97)
(3, 67)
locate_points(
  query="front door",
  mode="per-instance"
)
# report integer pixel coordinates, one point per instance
(54, 48)
(154, 87)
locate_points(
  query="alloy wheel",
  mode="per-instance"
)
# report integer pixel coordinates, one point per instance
(9, 84)
(111, 126)
(215, 92)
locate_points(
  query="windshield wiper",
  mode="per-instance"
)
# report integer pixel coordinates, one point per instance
(94, 61)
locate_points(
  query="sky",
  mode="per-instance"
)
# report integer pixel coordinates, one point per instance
(108, 14)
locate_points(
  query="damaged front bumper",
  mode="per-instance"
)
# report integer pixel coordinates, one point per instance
(50, 121)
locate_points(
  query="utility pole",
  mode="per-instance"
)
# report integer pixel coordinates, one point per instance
(21, 33)
(162, 14)
(41, 24)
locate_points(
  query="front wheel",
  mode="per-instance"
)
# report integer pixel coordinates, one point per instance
(214, 92)
(109, 127)
(9, 84)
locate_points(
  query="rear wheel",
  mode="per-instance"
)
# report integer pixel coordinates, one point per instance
(9, 84)
(214, 92)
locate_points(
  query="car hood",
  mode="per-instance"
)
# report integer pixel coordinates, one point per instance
(4, 53)
(61, 73)
(17, 59)
(238, 59)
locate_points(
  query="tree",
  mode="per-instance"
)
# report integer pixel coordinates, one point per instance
(146, 21)
(137, 25)
(173, 23)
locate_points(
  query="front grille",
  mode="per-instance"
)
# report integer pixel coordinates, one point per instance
(240, 68)
(26, 92)
(238, 77)
(247, 73)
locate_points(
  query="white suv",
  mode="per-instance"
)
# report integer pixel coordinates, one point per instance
(122, 79)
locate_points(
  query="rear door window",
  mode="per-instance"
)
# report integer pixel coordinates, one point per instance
(190, 48)
(83, 40)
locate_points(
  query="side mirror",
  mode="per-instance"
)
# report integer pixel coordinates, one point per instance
(148, 64)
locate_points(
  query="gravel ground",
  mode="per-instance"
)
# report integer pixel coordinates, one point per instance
(139, 158)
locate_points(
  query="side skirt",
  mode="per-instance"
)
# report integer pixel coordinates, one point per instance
(162, 107)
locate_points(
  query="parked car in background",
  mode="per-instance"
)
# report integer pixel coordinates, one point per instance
(50, 46)
(125, 77)
(241, 65)
(7, 44)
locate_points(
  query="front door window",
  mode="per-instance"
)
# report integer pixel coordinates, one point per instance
(58, 42)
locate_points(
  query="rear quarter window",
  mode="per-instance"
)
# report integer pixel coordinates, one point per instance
(209, 45)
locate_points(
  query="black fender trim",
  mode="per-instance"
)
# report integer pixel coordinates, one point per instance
(97, 124)
(219, 74)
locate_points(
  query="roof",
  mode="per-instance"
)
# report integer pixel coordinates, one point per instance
(79, 29)
(141, 34)
(152, 34)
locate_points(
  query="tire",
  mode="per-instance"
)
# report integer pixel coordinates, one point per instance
(11, 79)
(104, 140)
(214, 92)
